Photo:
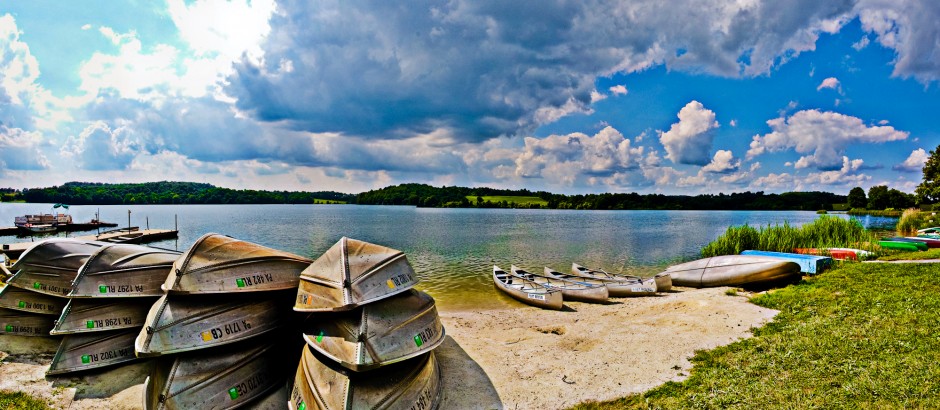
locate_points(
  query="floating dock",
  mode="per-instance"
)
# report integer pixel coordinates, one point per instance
(13, 250)
(79, 226)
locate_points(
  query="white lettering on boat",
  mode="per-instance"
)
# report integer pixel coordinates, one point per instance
(536, 296)
(642, 289)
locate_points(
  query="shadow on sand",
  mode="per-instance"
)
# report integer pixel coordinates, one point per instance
(106, 382)
(466, 385)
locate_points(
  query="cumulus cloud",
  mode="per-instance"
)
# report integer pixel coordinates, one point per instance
(831, 83)
(910, 29)
(21, 150)
(566, 158)
(846, 176)
(618, 89)
(914, 163)
(690, 140)
(823, 136)
(723, 163)
(98, 147)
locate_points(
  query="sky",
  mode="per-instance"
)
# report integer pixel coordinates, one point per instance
(582, 96)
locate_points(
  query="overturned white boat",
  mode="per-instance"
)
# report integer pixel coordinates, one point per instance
(124, 271)
(28, 301)
(733, 270)
(50, 266)
(97, 315)
(93, 351)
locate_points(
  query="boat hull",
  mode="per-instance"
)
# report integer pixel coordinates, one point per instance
(809, 264)
(732, 270)
(835, 253)
(617, 285)
(50, 266)
(526, 291)
(124, 271)
(570, 290)
(14, 322)
(93, 351)
(27, 301)
(98, 315)
(902, 246)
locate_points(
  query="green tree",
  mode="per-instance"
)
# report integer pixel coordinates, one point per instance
(857, 198)
(928, 191)
(878, 197)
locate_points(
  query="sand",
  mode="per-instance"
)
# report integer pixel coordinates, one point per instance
(518, 357)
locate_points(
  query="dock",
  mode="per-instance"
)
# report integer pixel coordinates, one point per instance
(14, 250)
(78, 226)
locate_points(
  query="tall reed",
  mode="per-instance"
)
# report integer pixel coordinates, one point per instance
(825, 232)
(912, 220)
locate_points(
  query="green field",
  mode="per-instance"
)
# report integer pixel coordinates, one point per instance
(518, 200)
(863, 335)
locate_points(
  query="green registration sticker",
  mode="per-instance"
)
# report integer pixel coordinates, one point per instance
(102, 289)
(22, 304)
(240, 282)
(86, 359)
(302, 406)
(36, 285)
(418, 341)
(9, 328)
(320, 337)
(233, 393)
(90, 324)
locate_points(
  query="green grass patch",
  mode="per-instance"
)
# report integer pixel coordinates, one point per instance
(933, 253)
(825, 232)
(327, 201)
(518, 200)
(19, 400)
(887, 212)
(859, 336)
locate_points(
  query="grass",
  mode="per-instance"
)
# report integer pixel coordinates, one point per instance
(824, 232)
(519, 200)
(20, 400)
(859, 336)
(913, 219)
(933, 253)
(873, 212)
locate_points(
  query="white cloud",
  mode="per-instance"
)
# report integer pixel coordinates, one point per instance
(690, 140)
(914, 163)
(831, 83)
(566, 159)
(618, 89)
(21, 150)
(781, 181)
(846, 176)
(822, 135)
(733, 123)
(596, 96)
(910, 29)
(861, 43)
(723, 163)
(98, 147)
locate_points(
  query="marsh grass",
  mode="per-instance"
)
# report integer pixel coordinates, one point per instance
(20, 400)
(859, 336)
(825, 232)
(913, 219)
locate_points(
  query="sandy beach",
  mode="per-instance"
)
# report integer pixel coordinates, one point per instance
(518, 357)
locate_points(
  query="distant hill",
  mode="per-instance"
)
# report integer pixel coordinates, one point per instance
(89, 193)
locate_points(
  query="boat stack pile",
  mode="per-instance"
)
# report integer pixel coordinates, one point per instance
(220, 327)
(369, 335)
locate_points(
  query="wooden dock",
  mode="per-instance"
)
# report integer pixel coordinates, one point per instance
(13, 250)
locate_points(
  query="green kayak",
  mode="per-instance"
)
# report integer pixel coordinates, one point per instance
(903, 246)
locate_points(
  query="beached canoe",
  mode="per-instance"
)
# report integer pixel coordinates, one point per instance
(179, 323)
(97, 315)
(733, 270)
(124, 271)
(19, 323)
(412, 384)
(234, 376)
(809, 264)
(930, 242)
(12, 297)
(353, 273)
(221, 264)
(902, 245)
(617, 285)
(836, 253)
(378, 334)
(526, 291)
(931, 230)
(93, 351)
(570, 290)
(50, 266)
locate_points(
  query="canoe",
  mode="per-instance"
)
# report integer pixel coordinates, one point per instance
(903, 246)
(930, 242)
(234, 376)
(180, 323)
(378, 334)
(97, 315)
(353, 273)
(412, 384)
(931, 230)
(15, 322)
(122, 271)
(809, 264)
(836, 253)
(733, 270)
(570, 290)
(93, 351)
(526, 291)
(617, 285)
(50, 266)
(221, 264)
(12, 297)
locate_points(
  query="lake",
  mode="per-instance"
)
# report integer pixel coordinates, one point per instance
(452, 250)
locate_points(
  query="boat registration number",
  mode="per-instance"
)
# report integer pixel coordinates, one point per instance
(642, 289)
(536, 296)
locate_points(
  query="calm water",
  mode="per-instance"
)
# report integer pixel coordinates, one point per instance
(452, 250)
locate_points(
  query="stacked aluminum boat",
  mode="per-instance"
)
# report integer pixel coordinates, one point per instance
(369, 336)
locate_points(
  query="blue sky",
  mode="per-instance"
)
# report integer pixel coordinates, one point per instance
(572, 97)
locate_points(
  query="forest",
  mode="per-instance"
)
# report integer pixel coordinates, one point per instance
(88, 193)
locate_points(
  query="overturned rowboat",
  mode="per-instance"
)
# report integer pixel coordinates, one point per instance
(123, 271)
(221, 264)
(15, 322)
(733, 270)
(93, 351)
(27, 301)
(179, 324)
(378, 334)
(353, 273)
(97, 315)
(50, 266)
(527, 291)
(617, 285)
(412, 384)
(570, 290)
(234, 376)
